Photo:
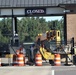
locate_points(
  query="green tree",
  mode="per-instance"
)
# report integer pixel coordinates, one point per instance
(28, 28)
(6, 28)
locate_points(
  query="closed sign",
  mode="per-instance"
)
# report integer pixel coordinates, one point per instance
(35, 11)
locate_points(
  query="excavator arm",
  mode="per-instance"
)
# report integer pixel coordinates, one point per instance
(46, 55)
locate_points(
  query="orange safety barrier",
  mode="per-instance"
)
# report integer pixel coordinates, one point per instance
(57, 60)
(20, 60)
(38, 59)
(0, 61)
(14, 60)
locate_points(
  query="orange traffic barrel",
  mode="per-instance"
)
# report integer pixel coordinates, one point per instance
(57, 60)
(0, 61)
(14, 60)
(20, 60)
(38, 59)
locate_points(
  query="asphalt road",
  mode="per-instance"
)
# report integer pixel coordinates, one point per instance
(46, 69)
(38, 70)
(64, 70)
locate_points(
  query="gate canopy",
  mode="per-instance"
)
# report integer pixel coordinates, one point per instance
(33, 3)
(10, 8)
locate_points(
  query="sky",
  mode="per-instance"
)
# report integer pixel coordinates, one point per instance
(50, 18)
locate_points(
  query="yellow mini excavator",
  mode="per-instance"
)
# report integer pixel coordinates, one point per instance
(48, 55)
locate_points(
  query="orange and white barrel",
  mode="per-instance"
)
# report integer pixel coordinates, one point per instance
(14, 60)
(38, 59)
(20, 60)
(0, 61)
(57, 60)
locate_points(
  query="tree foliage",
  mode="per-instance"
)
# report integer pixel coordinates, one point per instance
(28, 28)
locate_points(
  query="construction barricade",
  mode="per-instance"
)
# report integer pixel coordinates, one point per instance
(14, 60)
(38, 59)
(57, 60)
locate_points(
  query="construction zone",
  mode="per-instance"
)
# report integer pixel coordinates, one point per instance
(37, 33)
(46, 51)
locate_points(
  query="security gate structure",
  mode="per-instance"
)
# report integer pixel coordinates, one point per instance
(23, 8)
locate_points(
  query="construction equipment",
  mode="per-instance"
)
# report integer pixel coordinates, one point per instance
(55, 34)
(54, 46)
(46, 55)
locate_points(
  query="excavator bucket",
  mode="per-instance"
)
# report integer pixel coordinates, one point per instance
(46, 55)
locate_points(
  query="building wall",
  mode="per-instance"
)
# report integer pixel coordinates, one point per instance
(71, 26)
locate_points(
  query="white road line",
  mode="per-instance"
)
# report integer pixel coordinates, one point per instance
(53, 72)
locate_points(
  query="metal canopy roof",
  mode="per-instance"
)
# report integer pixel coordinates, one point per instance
(33, 3)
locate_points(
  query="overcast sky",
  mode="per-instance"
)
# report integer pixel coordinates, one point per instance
(48, 18)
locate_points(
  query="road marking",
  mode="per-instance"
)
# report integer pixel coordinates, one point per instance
(53, 72)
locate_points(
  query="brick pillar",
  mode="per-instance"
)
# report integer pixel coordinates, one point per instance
(71, 26)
